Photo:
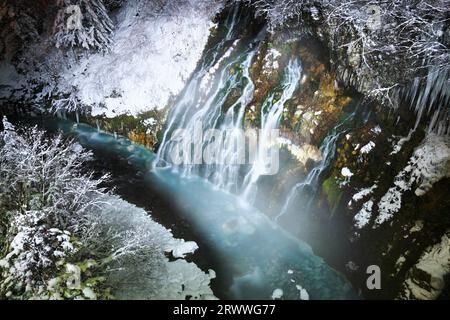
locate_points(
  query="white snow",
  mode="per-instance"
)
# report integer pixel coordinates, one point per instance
(346, 172)
(303, 293)
(434, 265)
(376, 129)
(399, 263)
(271, 60)
(89, 293)
(398, 146)
(277, 294)
(418, 226)
(151, 58)
(368, 147)
(429, 164)
(154, 276)
(149, 122)
(184, 248)
(362, 218)
(362, 194)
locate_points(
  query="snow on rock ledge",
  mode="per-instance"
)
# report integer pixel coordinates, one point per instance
(152, 56)
(429, 164)
(183, 248)
(425, 280)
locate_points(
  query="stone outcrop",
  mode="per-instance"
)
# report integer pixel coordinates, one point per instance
(425, 280)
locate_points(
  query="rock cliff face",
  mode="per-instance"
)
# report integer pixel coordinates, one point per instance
(425, 280)
(380, 197)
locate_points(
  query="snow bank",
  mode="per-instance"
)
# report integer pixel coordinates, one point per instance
(362, 218)
(346, 172)
(271, 61)
(303, 293)
(368, 147)
(184, 248)
(362, 194)
(141, 270)
(152, 56)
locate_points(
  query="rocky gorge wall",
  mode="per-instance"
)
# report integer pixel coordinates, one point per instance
(380, 198)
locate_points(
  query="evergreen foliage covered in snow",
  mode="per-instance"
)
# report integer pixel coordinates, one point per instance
(82, 23)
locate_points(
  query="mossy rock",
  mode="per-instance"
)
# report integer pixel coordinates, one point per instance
(332, 193)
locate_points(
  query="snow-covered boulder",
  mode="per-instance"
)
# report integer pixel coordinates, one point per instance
(425, 280)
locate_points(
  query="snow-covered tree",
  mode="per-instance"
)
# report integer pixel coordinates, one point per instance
(392, 42)
(82, 23)
(62, 236)
(44, 202)
(279, 12)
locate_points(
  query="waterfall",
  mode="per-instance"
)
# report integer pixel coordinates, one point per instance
(270, 119)
(195, 116)
(201, 107)
(328, 151)
(190, 107)
(209, 101)
(226, 176)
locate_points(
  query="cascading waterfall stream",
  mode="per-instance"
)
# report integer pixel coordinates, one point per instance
(201, 108)
(226, 176)
(190, 99)
(327, 150)
(270, 120)
(198, 117)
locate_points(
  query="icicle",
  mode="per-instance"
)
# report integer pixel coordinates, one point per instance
(432, 99)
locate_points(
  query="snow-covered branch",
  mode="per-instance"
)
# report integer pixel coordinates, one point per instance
(82, 23)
